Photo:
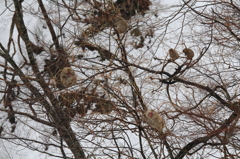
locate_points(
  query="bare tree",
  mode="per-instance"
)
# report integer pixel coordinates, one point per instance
(120, 75)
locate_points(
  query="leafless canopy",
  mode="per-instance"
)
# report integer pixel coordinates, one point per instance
(118, 76)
